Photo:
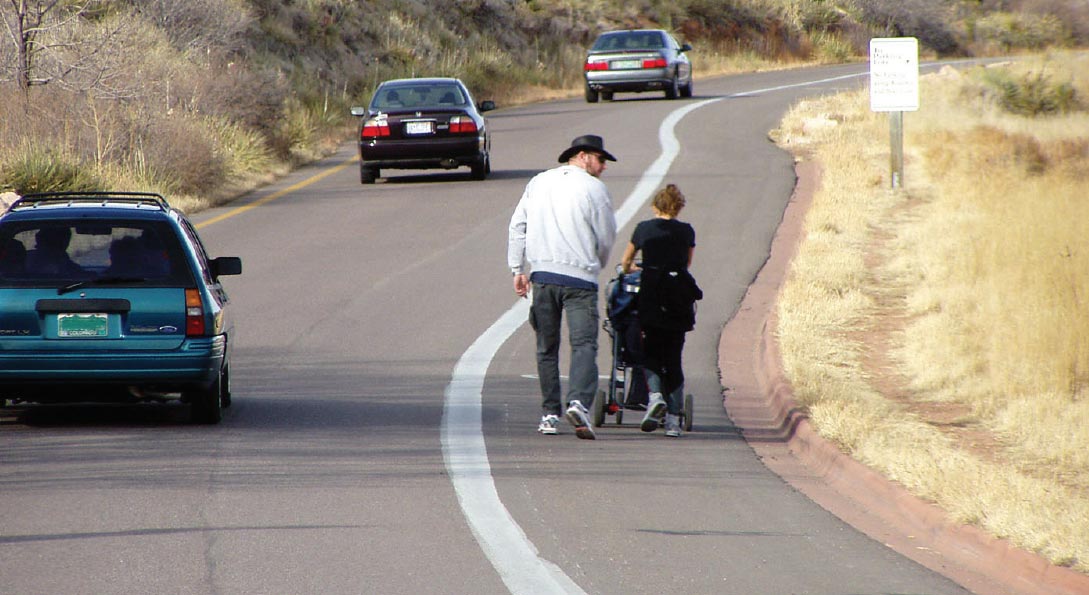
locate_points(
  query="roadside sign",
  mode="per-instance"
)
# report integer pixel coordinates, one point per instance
(894, 74)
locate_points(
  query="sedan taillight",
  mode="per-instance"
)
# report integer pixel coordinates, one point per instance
(375, 128)
(596, 66)
(462, 125)
(655, 63)
(194, 314)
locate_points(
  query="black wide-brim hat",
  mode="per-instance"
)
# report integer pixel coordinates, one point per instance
(586, 142)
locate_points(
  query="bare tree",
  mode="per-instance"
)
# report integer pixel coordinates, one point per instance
(50, 41)
(25, 24)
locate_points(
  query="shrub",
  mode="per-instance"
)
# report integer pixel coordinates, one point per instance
(199, 26)
(295, 137)
(1072, 14)
(814, 16)
(831, 47)
(180, 156)
(927, 21)
(241, 150)
(1032, 94)
(1011, 31)
(38, 169)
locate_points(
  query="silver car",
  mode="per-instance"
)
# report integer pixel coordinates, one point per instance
(637, 60)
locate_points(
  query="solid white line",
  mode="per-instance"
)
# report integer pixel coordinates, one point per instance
(506, 546)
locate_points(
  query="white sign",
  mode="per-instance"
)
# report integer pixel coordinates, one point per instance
(894, 74)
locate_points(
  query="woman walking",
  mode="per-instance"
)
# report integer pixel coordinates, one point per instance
(667, 297)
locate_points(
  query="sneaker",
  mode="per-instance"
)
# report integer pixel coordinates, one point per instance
(579, 417)
(548, 424)
(673, 425)
(654, 413)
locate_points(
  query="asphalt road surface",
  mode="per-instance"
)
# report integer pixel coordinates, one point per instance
(383, 434)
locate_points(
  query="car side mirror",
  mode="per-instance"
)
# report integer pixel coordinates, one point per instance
(487, 106)
(226, 265)
(359, 111)
(686, 47)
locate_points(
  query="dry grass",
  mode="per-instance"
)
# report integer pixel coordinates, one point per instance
(940, 334)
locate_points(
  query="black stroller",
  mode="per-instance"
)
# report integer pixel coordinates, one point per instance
(627, 380)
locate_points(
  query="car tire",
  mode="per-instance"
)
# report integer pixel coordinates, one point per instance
(591, 95)
(673, 90)
(206, 406)
(225, 387)
(686, 91)
(480, 168)
(367, 174)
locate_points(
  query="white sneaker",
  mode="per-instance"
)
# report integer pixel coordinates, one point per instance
(579, 416)
(673, 425)
(654, 413)
(549, 424)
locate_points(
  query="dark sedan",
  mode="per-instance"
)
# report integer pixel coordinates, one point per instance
(635, 61)
(423, 123)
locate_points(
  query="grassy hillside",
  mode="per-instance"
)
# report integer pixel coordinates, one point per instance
(201, 99)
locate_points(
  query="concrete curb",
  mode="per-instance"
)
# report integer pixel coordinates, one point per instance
(760, 400)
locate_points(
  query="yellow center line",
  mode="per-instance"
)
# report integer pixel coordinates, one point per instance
(278, 194)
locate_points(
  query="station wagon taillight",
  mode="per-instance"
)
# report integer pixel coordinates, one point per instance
(194, 314)
(375, 128)
(462, 125)
(655, 63)
(596, 66)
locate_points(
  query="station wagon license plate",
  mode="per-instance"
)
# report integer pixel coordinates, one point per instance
(625, 64)
(82, 326)
(417, 127)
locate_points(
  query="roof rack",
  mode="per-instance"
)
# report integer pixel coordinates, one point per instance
(103, 198)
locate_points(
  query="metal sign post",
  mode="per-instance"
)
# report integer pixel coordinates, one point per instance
(894, 88)
(896, 149)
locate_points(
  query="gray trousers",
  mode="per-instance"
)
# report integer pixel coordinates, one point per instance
(550, 303)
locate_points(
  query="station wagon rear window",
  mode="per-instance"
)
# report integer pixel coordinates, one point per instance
(61, 252)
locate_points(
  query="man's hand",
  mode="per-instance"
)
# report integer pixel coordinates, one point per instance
(521, 285)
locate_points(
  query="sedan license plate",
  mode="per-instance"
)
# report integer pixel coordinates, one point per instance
(82, 326)
(625, 64)
(418, 127)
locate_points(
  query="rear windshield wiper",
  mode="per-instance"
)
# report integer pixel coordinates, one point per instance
(99, 281)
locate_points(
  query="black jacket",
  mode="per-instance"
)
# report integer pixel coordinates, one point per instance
(667, 299)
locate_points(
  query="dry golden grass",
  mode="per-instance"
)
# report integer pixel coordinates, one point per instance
(940, 333)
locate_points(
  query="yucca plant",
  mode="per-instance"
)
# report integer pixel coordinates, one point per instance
(45, 170)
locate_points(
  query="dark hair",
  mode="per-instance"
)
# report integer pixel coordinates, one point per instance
(669, 200)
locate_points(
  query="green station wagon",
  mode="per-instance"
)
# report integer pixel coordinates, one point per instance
(111, 297)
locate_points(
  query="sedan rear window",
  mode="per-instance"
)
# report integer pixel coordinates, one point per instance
(418, 96)
(59, 252)
(633, 40)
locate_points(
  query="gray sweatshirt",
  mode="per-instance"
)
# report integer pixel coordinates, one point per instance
(564, 223)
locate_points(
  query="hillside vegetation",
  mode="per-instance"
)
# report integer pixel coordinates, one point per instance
(939, 333)
(202, 99)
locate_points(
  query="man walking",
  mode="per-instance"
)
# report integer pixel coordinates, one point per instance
(564, 228)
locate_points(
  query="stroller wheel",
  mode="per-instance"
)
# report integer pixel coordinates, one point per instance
(619, 415)
(599, 408)
(687, 421)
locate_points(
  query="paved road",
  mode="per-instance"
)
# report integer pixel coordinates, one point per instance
(368, 316)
